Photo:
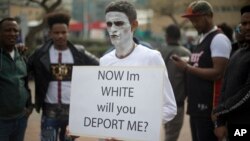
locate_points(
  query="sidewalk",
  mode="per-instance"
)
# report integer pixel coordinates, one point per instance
(33, 129)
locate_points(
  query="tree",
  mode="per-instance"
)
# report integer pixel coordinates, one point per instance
(169, 8)
(48, 7)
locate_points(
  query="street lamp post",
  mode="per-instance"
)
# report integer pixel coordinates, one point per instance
(85, 18)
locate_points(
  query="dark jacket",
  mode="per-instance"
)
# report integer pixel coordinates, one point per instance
(15, 95)
(234, 104)
(39, 66)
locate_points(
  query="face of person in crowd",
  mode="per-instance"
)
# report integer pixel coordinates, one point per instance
(119, 28)
(59, 35)
(9, 32)
(201, 23)
(245, 25)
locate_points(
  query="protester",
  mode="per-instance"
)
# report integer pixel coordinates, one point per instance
(239, 37)
(51, 65)
(234, 104)
(121, 19)
(177, 79)
(205, 70)
(227, 30)
(15, 97)
(190, 43)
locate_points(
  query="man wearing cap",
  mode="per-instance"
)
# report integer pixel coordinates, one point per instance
(204, 70)
(234, 104)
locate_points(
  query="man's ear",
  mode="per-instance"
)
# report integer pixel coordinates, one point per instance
(134, 25)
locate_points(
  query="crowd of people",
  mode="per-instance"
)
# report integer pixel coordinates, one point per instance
(214, 76)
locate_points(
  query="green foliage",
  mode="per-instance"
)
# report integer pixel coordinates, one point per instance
(98, 51)
(97, 47)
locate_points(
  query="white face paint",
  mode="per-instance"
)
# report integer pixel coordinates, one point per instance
(119, 30)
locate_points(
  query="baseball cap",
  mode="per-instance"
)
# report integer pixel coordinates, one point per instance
(198, 8)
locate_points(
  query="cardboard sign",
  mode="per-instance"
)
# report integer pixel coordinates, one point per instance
(120, 102)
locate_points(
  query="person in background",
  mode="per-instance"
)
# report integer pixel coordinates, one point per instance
(240, 39)
(15, 96)
(177, 79)
(227, 30)
(51, 66)
(234, 104)
(190, 43)
(204, 70)
(121, 19)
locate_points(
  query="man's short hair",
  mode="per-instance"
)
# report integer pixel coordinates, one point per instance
(58, 18)
(7, 19)
(245, 9)
(124, 7)
(173, 31)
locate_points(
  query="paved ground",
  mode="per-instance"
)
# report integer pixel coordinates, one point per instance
(33, 130)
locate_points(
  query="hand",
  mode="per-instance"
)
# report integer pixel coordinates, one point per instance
(179, 62)
(21, 48)
(220, 132)
(68, 134)
(28, 110)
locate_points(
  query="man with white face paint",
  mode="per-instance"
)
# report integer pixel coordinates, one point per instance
(119, 30)
(121, 22)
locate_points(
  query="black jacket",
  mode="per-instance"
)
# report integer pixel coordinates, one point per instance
(39, 66)
(234, 105)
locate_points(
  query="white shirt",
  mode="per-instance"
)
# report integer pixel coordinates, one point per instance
(220, 45)
(52, 92)
(12, 54)
(143, 56)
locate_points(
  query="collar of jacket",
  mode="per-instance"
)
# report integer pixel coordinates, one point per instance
(45, 59)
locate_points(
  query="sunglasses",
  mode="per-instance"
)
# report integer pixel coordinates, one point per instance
(116, 23)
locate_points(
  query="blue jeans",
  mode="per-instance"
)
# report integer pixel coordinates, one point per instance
(13, 130)
(53, 128)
